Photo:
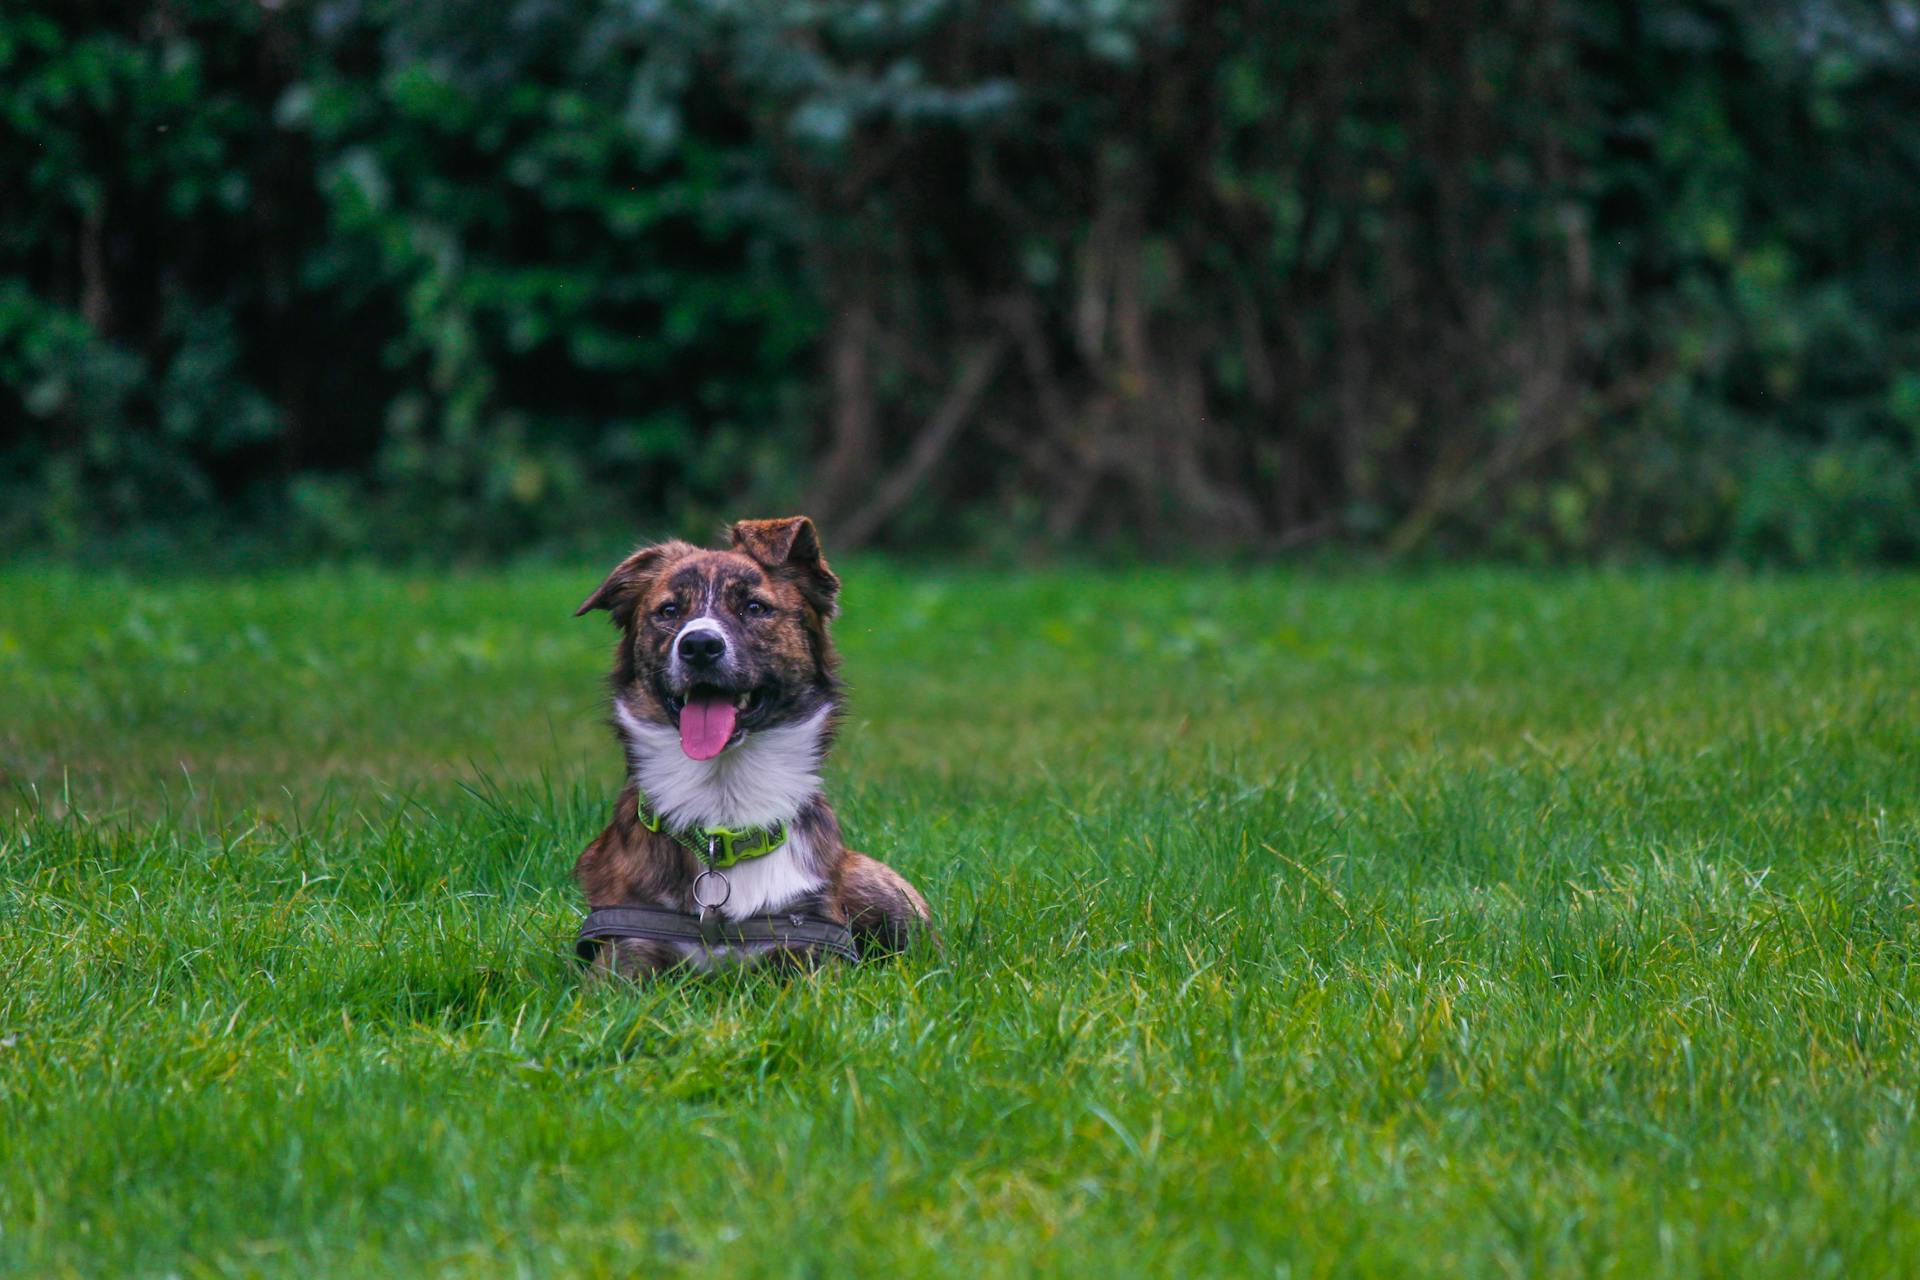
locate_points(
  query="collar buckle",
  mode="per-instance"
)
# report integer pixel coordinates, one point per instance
(718, 847)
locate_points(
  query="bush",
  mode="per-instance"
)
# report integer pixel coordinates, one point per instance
(1548, 281)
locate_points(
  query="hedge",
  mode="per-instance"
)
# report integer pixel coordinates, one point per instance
(1524, 279)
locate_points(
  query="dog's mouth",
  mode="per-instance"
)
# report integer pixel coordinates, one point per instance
(709, 718)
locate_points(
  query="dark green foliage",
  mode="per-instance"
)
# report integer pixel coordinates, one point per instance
(1499, 276)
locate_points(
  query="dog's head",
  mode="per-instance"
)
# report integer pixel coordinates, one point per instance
(720, 644)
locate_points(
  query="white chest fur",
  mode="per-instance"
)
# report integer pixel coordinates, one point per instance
(764, 778)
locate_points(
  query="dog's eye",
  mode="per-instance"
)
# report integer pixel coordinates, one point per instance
(757, 609)
(668, 609)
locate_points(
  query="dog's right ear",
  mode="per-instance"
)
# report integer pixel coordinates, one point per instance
(790, 548)
(630, 579)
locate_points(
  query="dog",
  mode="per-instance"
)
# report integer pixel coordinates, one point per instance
(726, 699)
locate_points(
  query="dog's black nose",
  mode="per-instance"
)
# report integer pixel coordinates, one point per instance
(703, 648)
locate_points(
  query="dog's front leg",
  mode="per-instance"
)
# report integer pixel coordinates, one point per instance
(635, 959)
(884, 911)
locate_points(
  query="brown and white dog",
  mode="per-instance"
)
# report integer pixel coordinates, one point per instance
(726, 699)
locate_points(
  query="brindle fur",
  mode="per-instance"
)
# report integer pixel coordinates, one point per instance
(793, 657)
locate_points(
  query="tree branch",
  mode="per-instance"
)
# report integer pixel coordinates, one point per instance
(928, 447)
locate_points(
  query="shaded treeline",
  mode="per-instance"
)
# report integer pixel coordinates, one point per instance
(1503, 276)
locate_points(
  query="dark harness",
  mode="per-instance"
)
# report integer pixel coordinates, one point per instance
(801, 929)
(794, 931)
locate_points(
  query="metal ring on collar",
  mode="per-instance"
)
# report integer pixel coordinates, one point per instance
(726, 890)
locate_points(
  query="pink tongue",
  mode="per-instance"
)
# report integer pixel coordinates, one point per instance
(705, 726)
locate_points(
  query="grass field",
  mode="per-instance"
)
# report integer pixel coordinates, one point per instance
(1466, 923)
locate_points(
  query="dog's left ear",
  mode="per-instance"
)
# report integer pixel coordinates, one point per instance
(629, 580)
(790, 547)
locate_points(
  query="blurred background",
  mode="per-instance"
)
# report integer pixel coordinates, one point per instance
(1536, 279)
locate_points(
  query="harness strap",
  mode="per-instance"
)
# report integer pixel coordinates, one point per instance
(795, 930)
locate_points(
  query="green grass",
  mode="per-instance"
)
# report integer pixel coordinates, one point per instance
(1477, 922)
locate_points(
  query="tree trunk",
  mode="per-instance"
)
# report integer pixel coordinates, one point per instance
(854, 438)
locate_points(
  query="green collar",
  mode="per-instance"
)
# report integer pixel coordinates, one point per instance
(718, 847)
